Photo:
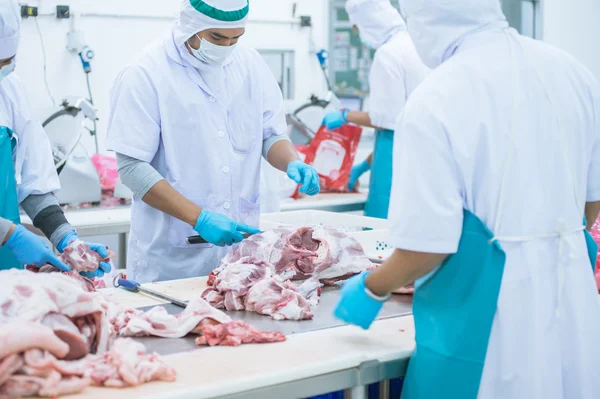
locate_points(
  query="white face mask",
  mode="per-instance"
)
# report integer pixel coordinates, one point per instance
(210, 53)
(7, 69)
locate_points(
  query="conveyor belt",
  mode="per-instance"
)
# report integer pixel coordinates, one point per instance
(398, 305)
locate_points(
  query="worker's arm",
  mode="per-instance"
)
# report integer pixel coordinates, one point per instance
(360, 118)
(281, 154)
(401, 269)
(6, 228)
(47, 215)
(591, 213)
(148, 185)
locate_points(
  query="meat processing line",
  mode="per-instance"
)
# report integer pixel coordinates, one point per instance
(320, 355)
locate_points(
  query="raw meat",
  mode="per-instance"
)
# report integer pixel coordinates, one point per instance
(408, 290)
(35, 297)
(248, 284)
(128, 364)
(39, 373)
(234, 333)
(213, 326)
(278, 299)
(297, 254)
(79, 257)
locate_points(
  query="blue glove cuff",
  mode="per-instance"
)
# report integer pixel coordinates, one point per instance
(345, 115)
(66, 240)
(15, 234)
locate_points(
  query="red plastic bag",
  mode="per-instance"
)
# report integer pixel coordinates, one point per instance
(107, 169)
(595, 232)
(332, 154)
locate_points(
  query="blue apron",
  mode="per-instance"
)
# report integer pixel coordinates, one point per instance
(380, 183)
(9, 203)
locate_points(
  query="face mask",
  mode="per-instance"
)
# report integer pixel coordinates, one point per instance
(210, 53)
(7, 70)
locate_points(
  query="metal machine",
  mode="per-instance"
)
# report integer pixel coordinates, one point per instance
(304, 122)
(78, 176)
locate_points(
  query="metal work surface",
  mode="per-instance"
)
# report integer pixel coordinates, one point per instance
(398, 305)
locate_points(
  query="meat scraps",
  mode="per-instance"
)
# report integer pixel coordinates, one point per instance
(55, 339)
(37, 372)
(248, 284)
(213, 326)
(297, 254)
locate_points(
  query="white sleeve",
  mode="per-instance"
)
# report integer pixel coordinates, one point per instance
(593, 181)
(274, 123)
(387, 91)
(426, 205)
(34, 164)
(134, 123)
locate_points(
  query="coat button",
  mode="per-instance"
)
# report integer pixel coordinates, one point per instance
(221, 133)
(212, 99)
(225, 169)
(227, 205)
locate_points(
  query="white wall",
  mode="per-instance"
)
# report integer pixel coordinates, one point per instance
(117, 40)
(573, 26)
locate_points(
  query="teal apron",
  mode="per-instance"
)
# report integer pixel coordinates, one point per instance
(454, 307)
(380, 183)
(9, 203)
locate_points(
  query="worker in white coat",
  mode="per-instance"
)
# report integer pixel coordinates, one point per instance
(27, 173)
(496, 163)
(190, 121)
(396, 72)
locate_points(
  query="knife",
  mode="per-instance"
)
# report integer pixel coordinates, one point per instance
(133, 286)
(200, 240)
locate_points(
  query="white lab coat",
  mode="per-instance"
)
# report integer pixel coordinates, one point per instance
(207, 145)
(34, 165)
(449, 153)
(396, 72)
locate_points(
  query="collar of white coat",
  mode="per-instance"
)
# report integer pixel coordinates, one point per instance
(438, 27)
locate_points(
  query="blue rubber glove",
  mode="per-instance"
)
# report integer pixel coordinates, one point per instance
(101, 249)
(219, 230)
(29, 249)
(305, 175)
(356, 172)
(335, 119)
(356, 306)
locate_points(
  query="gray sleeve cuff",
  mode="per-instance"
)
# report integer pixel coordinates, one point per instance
(47, 216)
(5, 226)
(268, 143)
(137, 175)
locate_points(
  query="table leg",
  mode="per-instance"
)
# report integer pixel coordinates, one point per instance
(122, 260)
(360, 392)
(384, 389)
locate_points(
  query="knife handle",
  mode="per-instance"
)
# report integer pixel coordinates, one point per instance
(196, 240)
(128, 284)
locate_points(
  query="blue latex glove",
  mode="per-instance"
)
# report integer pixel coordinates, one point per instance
(305, 175)
(356, 172)
(335, 119)
(101, 249)
(219, 230)
(356, 306)
(29, 249)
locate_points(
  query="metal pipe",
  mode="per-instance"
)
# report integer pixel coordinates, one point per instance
(384, 389)
(359, 392)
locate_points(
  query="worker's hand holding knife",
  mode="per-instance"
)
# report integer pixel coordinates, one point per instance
(219, 230)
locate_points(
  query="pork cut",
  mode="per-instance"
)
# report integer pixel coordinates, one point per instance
(278, 299)
(212, 325)
(297, 254)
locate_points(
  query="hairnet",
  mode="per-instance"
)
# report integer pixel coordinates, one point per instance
(438, 26)
(10, 24)
(199, 15)
(377, 20)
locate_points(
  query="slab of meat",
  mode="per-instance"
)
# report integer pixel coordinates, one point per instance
(297, 254)
(199, 317)
(278, 299)
(59, 302)
(408, 290)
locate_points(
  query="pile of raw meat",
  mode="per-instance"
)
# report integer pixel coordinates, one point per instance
(260, 274)
(58, 336)
(56, 339)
